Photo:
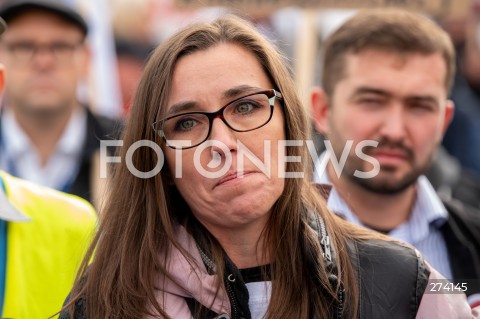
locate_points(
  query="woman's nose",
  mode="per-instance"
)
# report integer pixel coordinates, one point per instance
(224, 137)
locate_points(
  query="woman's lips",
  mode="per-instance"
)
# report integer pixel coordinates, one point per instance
(232, 177)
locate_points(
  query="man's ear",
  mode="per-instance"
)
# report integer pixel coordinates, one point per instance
(449, 112)
(2, 79)
(87, 58)
(320, 110)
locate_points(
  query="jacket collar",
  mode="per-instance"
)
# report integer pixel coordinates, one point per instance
(8, 211)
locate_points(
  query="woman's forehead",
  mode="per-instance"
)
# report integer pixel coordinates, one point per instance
(212, 73)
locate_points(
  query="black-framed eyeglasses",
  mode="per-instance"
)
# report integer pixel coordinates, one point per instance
(24, 51)
(246, 113)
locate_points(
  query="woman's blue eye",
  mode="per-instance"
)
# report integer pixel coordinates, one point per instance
(244, 108)
(185, 124)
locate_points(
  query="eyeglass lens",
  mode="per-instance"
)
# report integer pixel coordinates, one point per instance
(25, 51)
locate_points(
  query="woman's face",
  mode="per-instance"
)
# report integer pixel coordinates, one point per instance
(223, 193)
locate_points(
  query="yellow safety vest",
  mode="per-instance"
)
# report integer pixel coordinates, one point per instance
(43, 254)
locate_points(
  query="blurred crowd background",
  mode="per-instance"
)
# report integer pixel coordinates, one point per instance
(124, 32)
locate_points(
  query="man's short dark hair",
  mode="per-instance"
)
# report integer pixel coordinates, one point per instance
(390, 30)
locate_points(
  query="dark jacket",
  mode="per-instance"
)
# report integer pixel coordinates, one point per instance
(392, 279)
(98, 128)
(452, 181)
(462, 237)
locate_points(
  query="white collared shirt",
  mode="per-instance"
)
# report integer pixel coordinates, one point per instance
(18, 156)
(422, 228)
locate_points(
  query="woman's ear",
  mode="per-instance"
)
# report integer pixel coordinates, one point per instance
(320, 110)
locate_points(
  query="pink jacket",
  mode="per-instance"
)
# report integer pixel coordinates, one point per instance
(191, 280)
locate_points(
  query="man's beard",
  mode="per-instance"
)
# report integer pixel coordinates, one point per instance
(387, 186)
(384, 183)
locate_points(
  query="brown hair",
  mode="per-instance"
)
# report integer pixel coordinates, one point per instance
(137, 223)
(392, 30)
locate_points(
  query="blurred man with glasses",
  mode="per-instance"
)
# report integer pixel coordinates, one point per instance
(46, 134)
(43, 237)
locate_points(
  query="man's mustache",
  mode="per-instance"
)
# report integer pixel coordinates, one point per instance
(389, 145)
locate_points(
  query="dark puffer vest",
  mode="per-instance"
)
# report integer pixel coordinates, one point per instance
(392, 278)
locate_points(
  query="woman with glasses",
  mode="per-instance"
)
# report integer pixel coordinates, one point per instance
(230, 227)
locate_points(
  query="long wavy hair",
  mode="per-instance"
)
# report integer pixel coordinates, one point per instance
(116, 278)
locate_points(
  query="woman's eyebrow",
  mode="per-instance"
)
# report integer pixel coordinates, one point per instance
(228, 94)
(235, 91)
(181, 107)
